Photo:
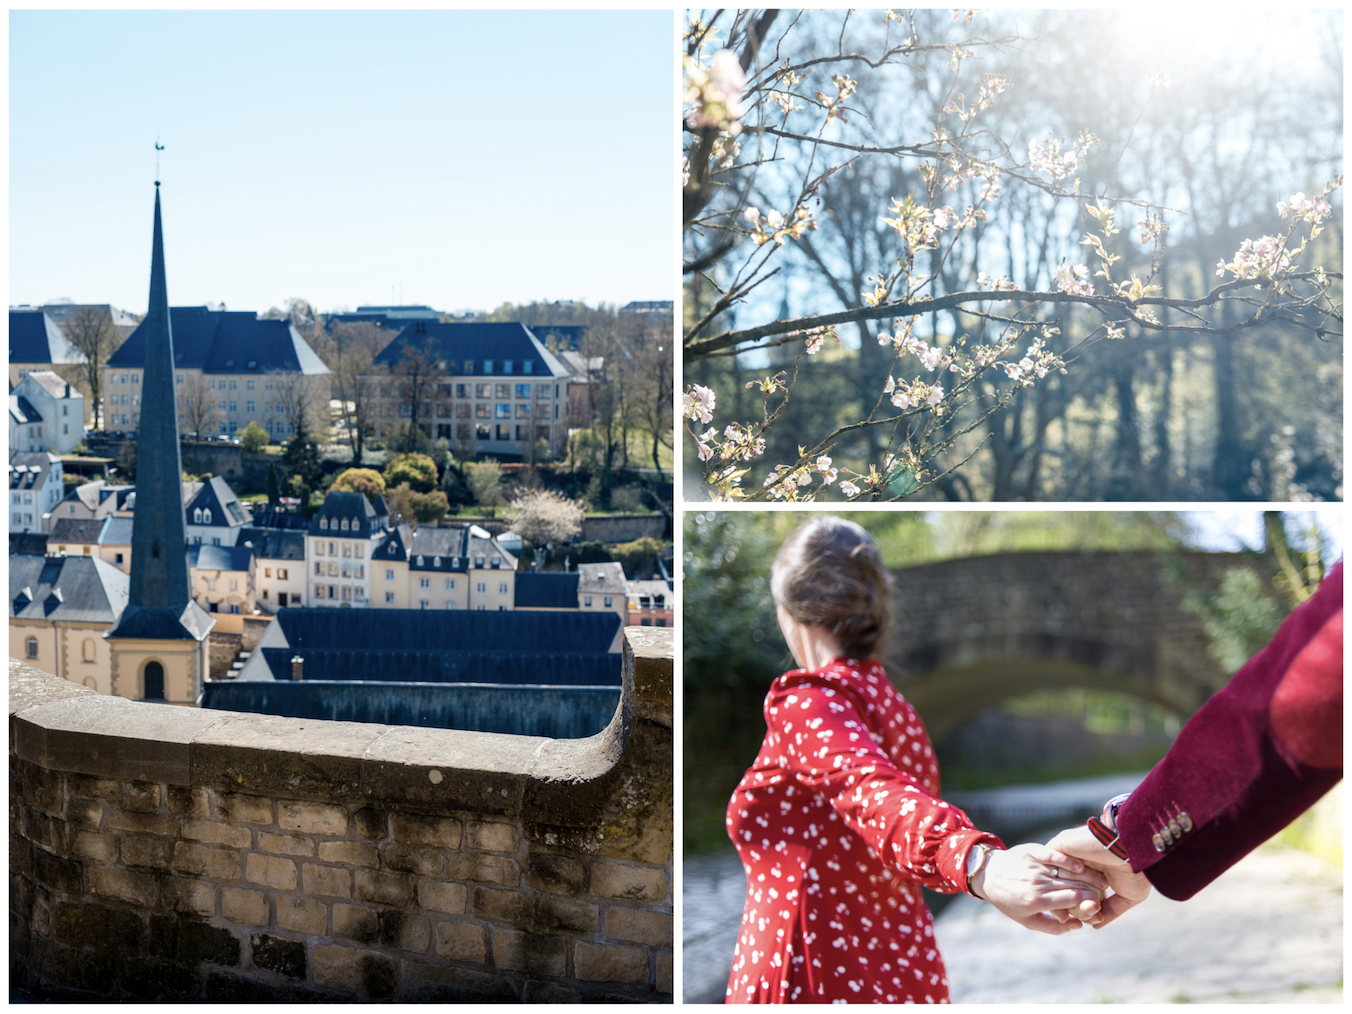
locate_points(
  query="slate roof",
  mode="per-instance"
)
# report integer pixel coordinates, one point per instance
(27, 543)
(363, 521)
(22, 412)
(452, 549)
(219, 557)
(52, 384)
(117, 532)
(536, 590)
(273, 543)
(461, 646)
(77, 531)
(28, 469)
(265, 517)
(601, 578)
(35, 338)
(226, 510)
(82, 588)
(226, 341)
(478, 343)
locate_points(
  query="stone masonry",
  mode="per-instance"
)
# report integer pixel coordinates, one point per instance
(174, 854)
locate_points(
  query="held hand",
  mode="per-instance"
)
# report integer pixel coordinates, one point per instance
(1029, 881)
(1129, 889)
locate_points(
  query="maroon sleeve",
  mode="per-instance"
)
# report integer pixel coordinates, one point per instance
(1257, 755)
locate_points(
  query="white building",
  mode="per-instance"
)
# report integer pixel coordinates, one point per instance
(45, 413)
(35, 488)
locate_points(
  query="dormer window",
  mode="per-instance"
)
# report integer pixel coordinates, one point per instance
(488, 366)
(507, 366)
(455, 561)
(436, 561)
(528, 366)
(229, 362)
(324, 524)
(253, 364)
(478, 561)
(206, 515)
(495, 563)
(343, 524)
(420, 563)
(197, 516)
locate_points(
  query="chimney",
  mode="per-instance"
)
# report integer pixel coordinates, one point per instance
(297, 664)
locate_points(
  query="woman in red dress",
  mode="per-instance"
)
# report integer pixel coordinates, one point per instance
(839, 821)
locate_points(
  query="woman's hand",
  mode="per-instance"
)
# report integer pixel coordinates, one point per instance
(1129, 889)
(1029, 881)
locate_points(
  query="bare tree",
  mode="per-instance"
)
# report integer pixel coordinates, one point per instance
(91, 332)
(298, 397)
(418, 376)
(350, 351)
(197, 410)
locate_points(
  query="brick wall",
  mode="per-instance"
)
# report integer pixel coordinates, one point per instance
(178, 854)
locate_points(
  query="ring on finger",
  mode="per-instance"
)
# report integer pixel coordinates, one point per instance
(1056, 871)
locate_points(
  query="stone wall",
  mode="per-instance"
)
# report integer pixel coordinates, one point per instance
(180, 854)
(224, 648)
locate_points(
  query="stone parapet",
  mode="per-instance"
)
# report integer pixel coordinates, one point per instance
(163, 853)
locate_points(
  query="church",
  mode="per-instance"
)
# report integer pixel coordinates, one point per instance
(154, 644)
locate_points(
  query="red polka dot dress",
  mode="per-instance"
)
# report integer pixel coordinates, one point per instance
(837, 824)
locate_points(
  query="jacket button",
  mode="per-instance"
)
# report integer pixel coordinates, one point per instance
(1185, 822)
(1175, 831)
(1158, 842)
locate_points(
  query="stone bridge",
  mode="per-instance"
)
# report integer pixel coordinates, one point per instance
(970, 633)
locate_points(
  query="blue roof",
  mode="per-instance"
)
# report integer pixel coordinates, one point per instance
(546, 591)
(477, 343)
(459, 646)
(35, 338)
(75, 588)
(226, 341)
(219, 557)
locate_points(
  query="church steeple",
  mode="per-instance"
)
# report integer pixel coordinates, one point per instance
(160, 603)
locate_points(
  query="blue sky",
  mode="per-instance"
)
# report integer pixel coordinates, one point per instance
(459, 159)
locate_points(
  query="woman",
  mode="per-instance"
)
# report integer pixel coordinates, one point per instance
(838, 822)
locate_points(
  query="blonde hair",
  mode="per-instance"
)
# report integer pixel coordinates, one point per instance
(829, 573)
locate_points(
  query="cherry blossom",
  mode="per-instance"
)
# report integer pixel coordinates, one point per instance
(698, 403)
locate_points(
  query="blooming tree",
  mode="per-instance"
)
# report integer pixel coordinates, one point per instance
(765, 115)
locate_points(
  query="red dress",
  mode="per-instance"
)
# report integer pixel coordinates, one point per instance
(837, 822)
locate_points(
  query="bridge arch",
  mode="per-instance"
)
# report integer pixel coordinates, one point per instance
(971, 633)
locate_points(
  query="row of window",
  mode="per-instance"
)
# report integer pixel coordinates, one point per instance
(357, 549)
(87, 649)
(344, 592)
(587, 601)
(349, 570)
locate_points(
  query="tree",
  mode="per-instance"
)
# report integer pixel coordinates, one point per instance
(298, 398)
(91, 332)
(418, 377)
(349, 351)
(418, 470)
(360, 480)
(253, 438)
(274, 487)
(542, 516)
(963, 322)
(485, 478)
(408, 506)
(197, 411)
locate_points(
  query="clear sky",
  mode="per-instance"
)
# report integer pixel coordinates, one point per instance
(458, 159)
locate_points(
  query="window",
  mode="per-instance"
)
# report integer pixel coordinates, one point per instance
(482, 431)
(389, 597)
(389, 573)
(234, 584)
(211, 584)
(206, 515)
(523, 390)
(248, 405)
(347, 546)
(347, 593)
(232, 383)
(661, 621)
(319, 568)
(527, 366)
(481, 588)
(483, 390)
(197, 515)
(507, 366)
(423, 603)
(423, 582)
(586, 601)
(483, 411)
(117, 559)
(609, 602)
(281, 573)
(319, 546)
(324, 526)
(469, 365)
(32, 647)
(450, 605)
(135, 378)
(522, 411)
(542, 390)
(503, 390)
(358, 550)
(267, 572)
(333, 568)
(503, 589)
(504, 431)
(65, 410)
(87, 649)
(232, 404)
(178, 378)
(488, 366)
(479, 561)
(343, 525)
(450, 584)
(503, 411)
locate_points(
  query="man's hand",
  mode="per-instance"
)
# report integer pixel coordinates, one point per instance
(1029, 881)
(1129, 889)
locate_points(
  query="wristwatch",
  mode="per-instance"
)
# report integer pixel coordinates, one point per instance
(976, 860)
(1104, 828)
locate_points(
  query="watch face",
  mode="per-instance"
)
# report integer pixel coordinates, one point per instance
(974, 857)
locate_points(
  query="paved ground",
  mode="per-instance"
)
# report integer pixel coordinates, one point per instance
(1269, 931)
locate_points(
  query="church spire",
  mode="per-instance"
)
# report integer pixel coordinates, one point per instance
(160, 603)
